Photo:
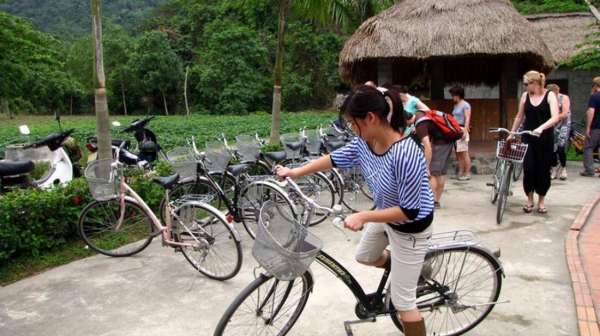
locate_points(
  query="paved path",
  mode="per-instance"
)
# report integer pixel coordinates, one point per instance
(157, 292)
(586, 262)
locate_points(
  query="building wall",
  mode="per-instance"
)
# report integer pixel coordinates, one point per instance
(579, 85)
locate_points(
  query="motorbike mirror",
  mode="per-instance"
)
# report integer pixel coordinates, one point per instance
(24, 130)
(116, 124)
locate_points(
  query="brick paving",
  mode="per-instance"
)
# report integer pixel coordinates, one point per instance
(583, 258)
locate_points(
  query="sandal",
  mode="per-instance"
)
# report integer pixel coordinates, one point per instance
(542, 211)
(528, 208)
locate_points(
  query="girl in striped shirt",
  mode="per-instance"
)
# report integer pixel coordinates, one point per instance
(396, 171)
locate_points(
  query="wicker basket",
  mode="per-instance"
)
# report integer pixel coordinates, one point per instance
(283, 246)
(247, 147)
(511, 151)
(103, 180)
(183, 161)
(216, 156)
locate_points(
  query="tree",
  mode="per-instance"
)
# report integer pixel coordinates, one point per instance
(157, 65)
(589, 56)
(102, 116)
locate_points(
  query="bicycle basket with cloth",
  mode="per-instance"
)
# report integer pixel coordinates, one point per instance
(511, 151)
(103, 180)
(247, 147)
(216, 156)
(283, 247)
(313, 141)
(183, 161)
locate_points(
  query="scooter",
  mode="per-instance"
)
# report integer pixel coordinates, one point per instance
(147, 145)
(16, 169)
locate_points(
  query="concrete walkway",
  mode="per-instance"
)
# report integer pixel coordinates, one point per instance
(158, 293)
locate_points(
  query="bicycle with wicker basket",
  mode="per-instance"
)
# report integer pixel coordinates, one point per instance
(509, 156)
(119, 223)
(458, 287)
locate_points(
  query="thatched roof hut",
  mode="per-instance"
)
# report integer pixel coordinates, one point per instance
(563, 32)
(472, 37)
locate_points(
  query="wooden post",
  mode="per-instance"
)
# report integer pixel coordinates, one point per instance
(185, 96)
(508, 88)
(437, 80)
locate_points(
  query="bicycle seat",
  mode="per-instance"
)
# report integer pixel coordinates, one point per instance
(295, 146)
(167, 182)
(11, 168)
(276, 156)
(237, 170)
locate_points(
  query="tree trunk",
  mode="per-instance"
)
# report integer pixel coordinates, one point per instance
(278, 74)
(165, 103)
(6, 108)
(71, 106)
(593, 9)
(101, 104)
(123, 95)
(187, 106)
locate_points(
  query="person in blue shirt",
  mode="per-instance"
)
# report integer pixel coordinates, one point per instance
(592, 129)
(395, 169)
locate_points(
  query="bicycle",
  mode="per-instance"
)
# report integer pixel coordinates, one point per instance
(230, 186)
(509, 157)
(119, 223)
(459, 285)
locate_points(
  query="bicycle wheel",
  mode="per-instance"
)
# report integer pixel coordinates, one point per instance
(217, 252)
(98, 228)
(228, 185)
(496, 181)
(459, 287)
(503, 194)
(357, 196)
(258, 168)
(338, 184)
(320, 189)
(252, 198)
(266, 307)
(196, 187)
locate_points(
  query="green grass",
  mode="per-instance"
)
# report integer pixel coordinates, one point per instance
(25, 266)
(172, 131)
(549, 6)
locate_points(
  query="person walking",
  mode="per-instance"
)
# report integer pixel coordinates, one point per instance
(437, 150)
(396, 171)
(592, 129)
(539, 107)
(561, 133)
(462, 113)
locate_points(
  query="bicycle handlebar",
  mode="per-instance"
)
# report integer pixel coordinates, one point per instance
(504, 130)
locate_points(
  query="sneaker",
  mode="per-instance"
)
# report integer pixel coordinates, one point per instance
(554, 173)
(464, 178)
(587, 174)
(437, 205)
(563, 173)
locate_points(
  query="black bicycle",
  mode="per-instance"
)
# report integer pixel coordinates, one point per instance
(458, 287)
(231, 187)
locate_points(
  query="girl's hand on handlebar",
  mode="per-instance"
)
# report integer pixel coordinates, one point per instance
(283, 172)
(354, 222)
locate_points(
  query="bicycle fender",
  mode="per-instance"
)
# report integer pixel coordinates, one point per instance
(493, 255)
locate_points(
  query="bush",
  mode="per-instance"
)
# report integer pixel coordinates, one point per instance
(33, 221)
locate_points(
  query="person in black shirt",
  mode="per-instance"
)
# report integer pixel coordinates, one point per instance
(592, 129)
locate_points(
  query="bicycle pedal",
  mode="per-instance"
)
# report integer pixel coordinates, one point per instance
(490, 184)
(348, 324)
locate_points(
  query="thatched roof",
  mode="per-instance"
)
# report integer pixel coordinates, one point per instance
(563, 32)
(426, 29)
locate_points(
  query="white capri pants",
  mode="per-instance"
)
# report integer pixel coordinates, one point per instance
(408, 253)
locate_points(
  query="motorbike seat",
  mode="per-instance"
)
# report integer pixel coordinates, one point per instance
(167, 182)
(12, 168)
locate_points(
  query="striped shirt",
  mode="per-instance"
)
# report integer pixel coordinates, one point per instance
(396, 178)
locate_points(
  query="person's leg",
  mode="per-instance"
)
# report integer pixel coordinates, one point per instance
(439, 188)
(467, 163)
(541, 203)
(408, 256)
(529, 174)
(460, 158)
(371, 248)
(588, 156)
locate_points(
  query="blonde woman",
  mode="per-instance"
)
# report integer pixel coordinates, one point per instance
(539, 107)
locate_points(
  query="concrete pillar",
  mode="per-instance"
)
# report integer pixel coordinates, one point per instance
(508, 88)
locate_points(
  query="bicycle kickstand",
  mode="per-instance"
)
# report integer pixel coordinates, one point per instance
(348, 324)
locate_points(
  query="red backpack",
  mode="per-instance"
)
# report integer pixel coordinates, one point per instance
(446, 123)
